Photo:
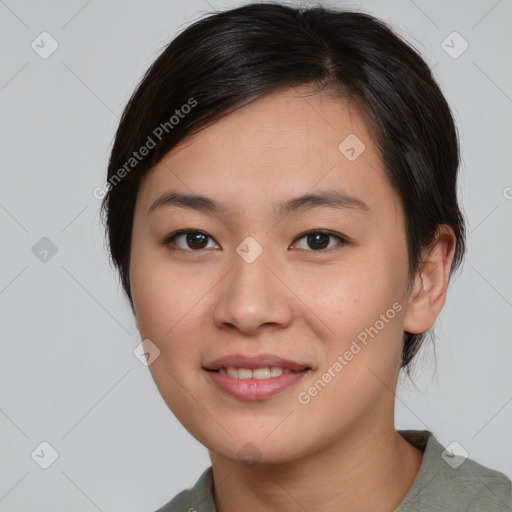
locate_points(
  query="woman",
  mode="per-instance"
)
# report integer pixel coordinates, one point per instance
(282, 209)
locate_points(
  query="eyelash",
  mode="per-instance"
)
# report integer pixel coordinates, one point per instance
(169, 240)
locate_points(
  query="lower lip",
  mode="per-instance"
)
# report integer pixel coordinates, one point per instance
(255, 389)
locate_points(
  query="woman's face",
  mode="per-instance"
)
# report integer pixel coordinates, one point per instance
(253, 283)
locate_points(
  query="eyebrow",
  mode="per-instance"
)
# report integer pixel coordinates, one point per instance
(323, 199)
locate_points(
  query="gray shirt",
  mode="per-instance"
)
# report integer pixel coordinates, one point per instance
(443, 484)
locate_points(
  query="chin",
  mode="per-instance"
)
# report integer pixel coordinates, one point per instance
(251, 453)
(254, 448)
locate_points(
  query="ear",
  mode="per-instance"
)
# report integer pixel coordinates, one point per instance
(429, 289)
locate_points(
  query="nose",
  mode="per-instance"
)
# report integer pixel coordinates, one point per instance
(252, 298)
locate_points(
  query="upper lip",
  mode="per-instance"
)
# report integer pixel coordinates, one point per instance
(252, 362)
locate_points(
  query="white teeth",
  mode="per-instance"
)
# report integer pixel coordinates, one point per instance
(258, 373)
(275, 371)
(232, 372)
(244, 373)
(261, 373)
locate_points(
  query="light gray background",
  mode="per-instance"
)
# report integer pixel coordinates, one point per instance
(67, 372)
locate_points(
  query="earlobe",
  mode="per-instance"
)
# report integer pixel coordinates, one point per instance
(429, 291)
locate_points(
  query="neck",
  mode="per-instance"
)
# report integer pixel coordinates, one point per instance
(370, 468)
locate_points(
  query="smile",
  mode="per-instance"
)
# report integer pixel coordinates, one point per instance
(256, 373)
(255, 384)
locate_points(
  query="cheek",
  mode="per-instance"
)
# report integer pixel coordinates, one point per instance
(362, 305)
(351, 296)
(165, 295)
(167, 303)
(363, 309)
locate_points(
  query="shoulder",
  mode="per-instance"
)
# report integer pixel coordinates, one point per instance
(199, 497)
(447, 481)
(483, 488)
(182, 502)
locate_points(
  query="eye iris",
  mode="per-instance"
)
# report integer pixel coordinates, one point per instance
(318, 240)
(196, 240)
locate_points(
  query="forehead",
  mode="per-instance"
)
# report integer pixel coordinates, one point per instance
(282, 145)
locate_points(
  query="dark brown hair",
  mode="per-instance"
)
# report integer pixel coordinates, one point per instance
(230, 58)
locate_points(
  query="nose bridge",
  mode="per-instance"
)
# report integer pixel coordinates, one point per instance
(251, 295)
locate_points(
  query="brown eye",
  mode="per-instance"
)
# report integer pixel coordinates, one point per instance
(320, 240)
(188, 240)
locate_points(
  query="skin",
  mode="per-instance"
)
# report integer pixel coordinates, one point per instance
(341, 450)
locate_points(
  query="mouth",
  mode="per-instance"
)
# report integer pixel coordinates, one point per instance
(262, 373)
(255, 363)
(255, 378)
